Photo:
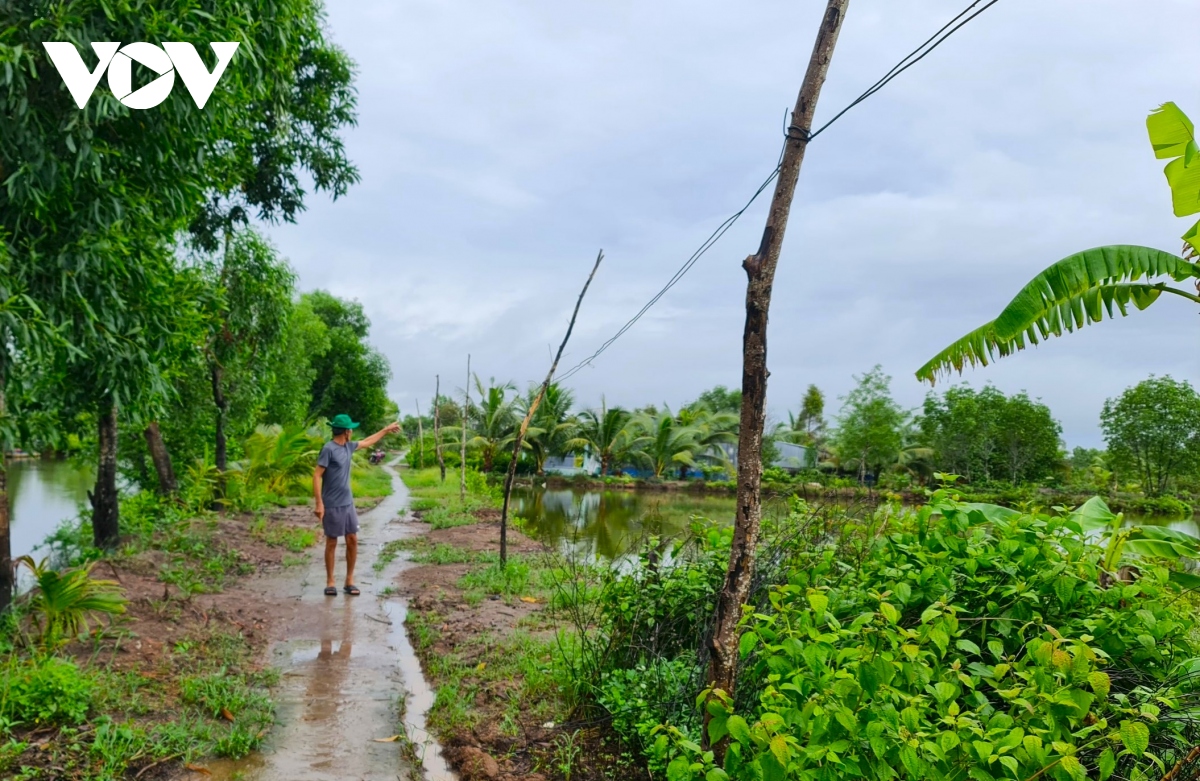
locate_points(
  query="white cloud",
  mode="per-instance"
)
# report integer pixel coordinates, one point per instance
(503, 143)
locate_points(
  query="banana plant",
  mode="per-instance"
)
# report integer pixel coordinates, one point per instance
(1123, 543)
(1085, 287)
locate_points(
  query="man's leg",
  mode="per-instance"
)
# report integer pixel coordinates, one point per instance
(351, 558)
(330, 551)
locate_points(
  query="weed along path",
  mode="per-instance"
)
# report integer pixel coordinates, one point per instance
(351, 700)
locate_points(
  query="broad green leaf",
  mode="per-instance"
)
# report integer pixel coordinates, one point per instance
(746, 643)
(679, 770)
(1170, 131)
(1107, 764)
(889, 612)
(1094, 514)
(780, 749)
(1100, 683)
(1185, 580)
(738, 729)
(1077, 290)
(818, 602)
(716, 774)
(1136, 737)
(983, 749)
(968, 646)
(993, 512)
(944, 691)
(1074, 768)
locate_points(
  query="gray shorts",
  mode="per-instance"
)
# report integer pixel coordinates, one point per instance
(340, 521)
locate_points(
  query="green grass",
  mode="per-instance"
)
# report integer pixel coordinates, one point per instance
(486, 664)
(203, 699)
(294, 538)
(439, 503)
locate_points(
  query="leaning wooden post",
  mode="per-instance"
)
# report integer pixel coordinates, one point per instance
(462, 474)
(760, 271)
(437, 429)
(420, 439)
(512, 465)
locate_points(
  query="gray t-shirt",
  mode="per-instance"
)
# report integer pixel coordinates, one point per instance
(335, 483)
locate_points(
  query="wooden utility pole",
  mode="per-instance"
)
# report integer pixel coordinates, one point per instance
(437, 429)
(512, 465)
(462, 478)
(760, 272)
(420, 439)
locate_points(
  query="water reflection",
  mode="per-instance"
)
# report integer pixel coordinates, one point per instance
(42, 494)
(606, 524)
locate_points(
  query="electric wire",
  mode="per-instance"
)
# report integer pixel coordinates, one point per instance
(963, 18)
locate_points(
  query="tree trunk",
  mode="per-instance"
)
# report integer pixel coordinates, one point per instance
(760, 272)
(420, 439)
(106, 529)
(7, 576)
(437, 426)
(462, 467)
(222, 414)
(167, 484)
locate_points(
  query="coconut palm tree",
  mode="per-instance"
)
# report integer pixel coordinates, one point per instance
(1084, 287)
(553, 426)
(667, 443)
(713, 429)
(494, 420)
(609, 435)
(61, 601)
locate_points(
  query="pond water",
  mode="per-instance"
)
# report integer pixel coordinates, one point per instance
(606, 524)
(42, 494)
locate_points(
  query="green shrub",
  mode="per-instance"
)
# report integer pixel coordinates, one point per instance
(44, 690)
(976, 642)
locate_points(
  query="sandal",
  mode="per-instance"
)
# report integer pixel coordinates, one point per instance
(351, 590)
(331, 591)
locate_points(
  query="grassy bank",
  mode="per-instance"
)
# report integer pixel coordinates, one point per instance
(494, 642)
(174, 677)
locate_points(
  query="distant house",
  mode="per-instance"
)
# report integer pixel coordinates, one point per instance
(573, 465)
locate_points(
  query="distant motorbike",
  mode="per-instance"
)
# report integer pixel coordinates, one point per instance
(377, 457)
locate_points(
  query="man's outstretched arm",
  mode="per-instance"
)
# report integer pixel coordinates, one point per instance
(370, 441)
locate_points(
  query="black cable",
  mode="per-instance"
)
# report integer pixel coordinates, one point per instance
(913, 57)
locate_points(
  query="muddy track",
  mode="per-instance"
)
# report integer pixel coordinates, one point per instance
(348, 670)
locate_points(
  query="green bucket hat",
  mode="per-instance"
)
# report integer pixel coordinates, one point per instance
(342, 421)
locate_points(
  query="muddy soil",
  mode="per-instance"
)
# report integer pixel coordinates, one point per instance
(343, 695)
(433, 590)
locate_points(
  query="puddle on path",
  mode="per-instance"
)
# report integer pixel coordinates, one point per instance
(346, 662)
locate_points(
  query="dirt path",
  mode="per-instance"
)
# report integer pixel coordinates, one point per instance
(347, 669)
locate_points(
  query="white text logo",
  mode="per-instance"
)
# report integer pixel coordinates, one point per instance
(118, 61)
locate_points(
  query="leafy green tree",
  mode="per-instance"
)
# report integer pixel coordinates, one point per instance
(720, 399)
(352, 376)
(713, 430)
(248, 300)
(494, 420)
(1029, 440)
(1153, 432)
(984, 435)
(93, 196)
(305, 339)
(1084, 287)
(870, 425)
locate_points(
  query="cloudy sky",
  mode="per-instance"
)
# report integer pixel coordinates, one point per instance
(501, 144)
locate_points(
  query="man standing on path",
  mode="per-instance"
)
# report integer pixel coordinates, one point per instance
(335, 503)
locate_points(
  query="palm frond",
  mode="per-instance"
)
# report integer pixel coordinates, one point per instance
(1075, 291)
